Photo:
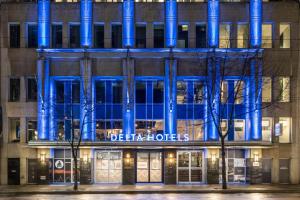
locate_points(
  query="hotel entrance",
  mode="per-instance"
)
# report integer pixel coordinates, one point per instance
(149, 167)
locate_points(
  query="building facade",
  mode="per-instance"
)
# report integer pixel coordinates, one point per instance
(136, 80)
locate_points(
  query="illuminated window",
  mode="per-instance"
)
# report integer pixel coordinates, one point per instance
(224, 92)
(239, 87)
(285, 35)
(105, 128)
(286, 124)
(267, 128)
(267, 89)
(98, 36)
(140, 32)
(158, 36)
(60, 130)
(201, 36)
(183, 36)
(243, 36)
(116, 36)
(193, 127)
(190, 92)
(14, 35)
(145, 127)
(284, 92)
(32, 35)
(224, 126)
(32, 134)
(267, 36)
(239, 130)
(224, 36)
(56, 35)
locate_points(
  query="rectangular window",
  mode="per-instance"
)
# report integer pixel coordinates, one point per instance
(31, 89)
(243, 36)
(201, 36)
(116, 36)
(239, 87)
(140, 32)
(32, 134)
(74, 36)
(267, 128)
(198, 93)
(100, 92)
(117, 92)
(194, 128)
(158, 92)
(14, 89)
(140, 92)
(224, 37)
(14, 35)
(60, 92)
(285, 35)
(224, 126)
(284, 92)
(267, 36)
(224, 92)
(32, 36)
(181, 92)
(98, 36)
(239, 130)
(158, 36)
(60, 131)
(105, 128)
(183, 36)
(56, 35)
(267, 89)
(14, 127)
(75, 92)
(286, 124)
(190, 92)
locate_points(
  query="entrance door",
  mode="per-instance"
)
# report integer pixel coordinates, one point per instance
(13, 171)
(284, 170)
(149, 167)
(108, 167)
(189, 165)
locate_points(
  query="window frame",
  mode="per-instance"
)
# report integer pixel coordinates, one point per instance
(27, 35)
(69, 34)
(9, 91)
(272, 34)
(8, 28)
(62, 34)
(27, 88)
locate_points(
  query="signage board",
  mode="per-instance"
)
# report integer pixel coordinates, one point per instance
(278, 129)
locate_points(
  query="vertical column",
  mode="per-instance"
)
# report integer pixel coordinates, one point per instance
(255, 23)
(52, 117)
(247, 109)
(43, 23)
(43, 98)
(128, 96)
(170, 96)
(128, 23)
(86, 20)
(213, 10)
(86, 101)
(171, 23)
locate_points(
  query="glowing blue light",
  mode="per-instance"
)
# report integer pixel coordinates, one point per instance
(128, 23)
(171, 23)
(255, 23)
(213, 10)
(86, 19)
(43, 23)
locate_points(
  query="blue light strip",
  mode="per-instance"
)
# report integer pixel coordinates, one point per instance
(171, 23)
(247, 109)
(255, 23)
(43, 23)
(213, 10)
(128, 23)
(52, 117)
(86, 23)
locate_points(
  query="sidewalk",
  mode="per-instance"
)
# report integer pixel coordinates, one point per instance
(145, 188)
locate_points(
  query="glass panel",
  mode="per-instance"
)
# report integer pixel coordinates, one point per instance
(267, 124)
(32, 130)
(155, 167)
(14, 86)
(285, 35)
(183, 159)
(224, 92)
(284, 89)
(56, 39)
(98, 36)
(267, 89)
(198, 92)
(14, 35)
(140, 92)
(181, 92)
(198, 129)
(14, 135)
(76, 92)
(31, 89)
(60, 93)
(142, 167)
(243, 35)
(102, 166)
(116, 36)
(100, 92)
(224, 36)
(183, 41)
(159, 41)
(32, 36)
(74, 40)
(201, 36)
(158, 92)
(196, 159)
(239, 90)
(117, 92)
(140, 40)
(266, 36)
(286, 130)
(239, 130)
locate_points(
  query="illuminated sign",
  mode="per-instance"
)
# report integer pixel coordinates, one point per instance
(149, 137)
(278, 129)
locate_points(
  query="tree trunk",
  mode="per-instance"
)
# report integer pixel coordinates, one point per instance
(75, 187)
(224, 182)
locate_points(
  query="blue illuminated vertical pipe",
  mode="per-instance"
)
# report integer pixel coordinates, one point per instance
(170, 96)
(128, 23)
(43, 23)
(171, 23)
(213, 12)
(43, 98)
(247, 109)
(255, 23)
(52, 117)
(86, 23)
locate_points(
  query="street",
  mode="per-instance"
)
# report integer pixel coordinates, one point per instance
(253, 196)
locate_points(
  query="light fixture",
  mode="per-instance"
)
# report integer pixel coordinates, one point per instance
(42, 158)
(256, 157)
(213, 158)
(171, 158)
(85, 158)
(127, 158)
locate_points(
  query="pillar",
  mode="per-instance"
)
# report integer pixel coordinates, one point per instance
(171, 23)
(213, 11)
(128, 23)
(86, 23)
(170, 96)
(43, 23)
(255, 23)
(52, 118)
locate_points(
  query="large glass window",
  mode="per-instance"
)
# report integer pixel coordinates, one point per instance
(239, 130)
(140, 32)
(193, 128)
(32, 134)
(105, 128)
(74, 40)
(31, 89)
(224, 92)
(201, 36)
(189, 92)
(224, 36)
(183, 36)
(56, 35)
(285, 35)
(116, 36)
(108, 92)
(32, 36)
(14, 89)
(60, 130)
(267, 128)
(239, 87)
(267, 89)
(60, 92)
(158, 36)
(14, 127)
(243, 36)
(14, 35)
(284, 92)
(286, 126)
(75, 92)
(267, 36)
(98, 36)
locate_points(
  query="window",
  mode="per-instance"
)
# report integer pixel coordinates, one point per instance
(74, 40)
(286, 124)
(267, 128)
(32, 36)
(60, 92)
(194, 128)
(75, 92)
(56, 36)
(14, 127)
(239, 130)
(76, 128)
(284, 92)
(285, 35)
(32, 134)
(190, 92)
(239, 87)
(224, 92)
(243, 36)
(117, 92)
(181, 92)
(109, 92)
(224, 126)
(60, 131)
(146, 127)
(105, 128)
(31, 89)
(14, 91)
(140, 92)
(183, 36)
(99, 36)
(140, 41)
(100, 92)
(14, 35)
(116, 36)
(224, 36)
(158, 35)
(267, 36)
(267, 89)
(201, 36)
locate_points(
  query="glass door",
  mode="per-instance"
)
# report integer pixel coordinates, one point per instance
(149, 167)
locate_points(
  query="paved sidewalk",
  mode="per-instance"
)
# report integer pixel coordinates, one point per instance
(145, 188)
